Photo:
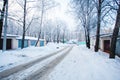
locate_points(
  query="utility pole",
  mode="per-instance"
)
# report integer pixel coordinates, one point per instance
(2, 17)
(5, 27)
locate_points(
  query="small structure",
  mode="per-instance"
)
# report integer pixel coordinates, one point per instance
(30, 41)
(15, 41)
(105, 42)
(11, 41)
(42, 42)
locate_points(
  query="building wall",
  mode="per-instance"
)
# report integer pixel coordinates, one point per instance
(33, 42)
(14, 43)
(42, 43)
(29, 43)
(38, 44)
(102, 42)
(118, 47)
(26, 43)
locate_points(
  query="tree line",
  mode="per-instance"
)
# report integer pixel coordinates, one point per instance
(28, 19)
(93, 14)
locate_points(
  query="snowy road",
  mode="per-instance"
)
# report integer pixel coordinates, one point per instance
(84, 64)
(36, 69)
(80, 64)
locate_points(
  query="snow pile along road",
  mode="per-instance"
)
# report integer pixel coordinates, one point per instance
(12, 58)
(84, 64)
(35, 71)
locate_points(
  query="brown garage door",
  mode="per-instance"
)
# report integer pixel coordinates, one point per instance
(107, 46)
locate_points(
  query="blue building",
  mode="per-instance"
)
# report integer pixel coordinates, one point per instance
(30, 41)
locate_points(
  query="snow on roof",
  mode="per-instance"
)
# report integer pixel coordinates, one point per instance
(105, 35)
(20, 37)
(28, 38)
(10, 35)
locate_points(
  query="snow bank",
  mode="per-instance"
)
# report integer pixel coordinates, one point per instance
(12, 58)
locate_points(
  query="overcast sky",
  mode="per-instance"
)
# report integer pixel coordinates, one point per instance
(62, 12)
(59, 12)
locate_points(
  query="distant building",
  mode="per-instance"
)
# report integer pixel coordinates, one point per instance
(14, 41)
(30, 41)
(105, 42)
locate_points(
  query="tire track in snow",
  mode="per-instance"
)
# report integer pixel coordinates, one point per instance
(43, 72)
(25, 66)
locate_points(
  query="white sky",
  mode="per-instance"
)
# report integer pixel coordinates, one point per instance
(61, 12)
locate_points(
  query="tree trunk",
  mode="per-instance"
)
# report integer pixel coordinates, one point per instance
(24, 24)
(115, 34)
(38, 39)
(88, 40)
(88, 25)
(58, 38)
(58, 34)
(98, 27)
(54, 38)
(64, 37)
(86, 36)
(41, 22)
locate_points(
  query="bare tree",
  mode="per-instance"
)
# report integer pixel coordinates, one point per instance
(26, 9)
(41, 21)
(84, 10)
(63, 37)
(99, 7)
(63, 31)
(45, 5)
(58, 33)
(115, 31)
(102, 10)
(54, 36)
(24, 24)
(55, 31)
(48, 30)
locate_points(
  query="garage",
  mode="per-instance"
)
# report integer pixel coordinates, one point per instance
(9, 44)
(106, 46)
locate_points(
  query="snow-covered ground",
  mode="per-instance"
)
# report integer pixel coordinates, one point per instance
(84, 64)
(37, 69)
(12, 58)
(80, 64)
